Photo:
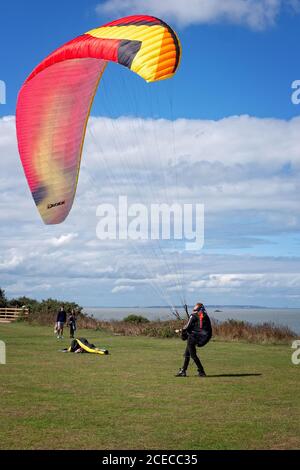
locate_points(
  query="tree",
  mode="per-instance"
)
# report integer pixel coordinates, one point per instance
(3, 299)
(23, 301)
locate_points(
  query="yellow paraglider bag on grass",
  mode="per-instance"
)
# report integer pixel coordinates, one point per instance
(81, 345)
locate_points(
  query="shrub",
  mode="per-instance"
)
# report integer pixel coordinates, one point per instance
(235, 330)
(136, 319)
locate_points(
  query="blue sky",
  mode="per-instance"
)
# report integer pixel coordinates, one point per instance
(236, 137)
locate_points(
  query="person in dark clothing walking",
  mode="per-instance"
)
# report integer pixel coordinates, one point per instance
(197, 332)
(60, 321)
(72, 323)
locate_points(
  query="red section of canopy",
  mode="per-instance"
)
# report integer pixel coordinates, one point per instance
(82, 47)
(134, 19)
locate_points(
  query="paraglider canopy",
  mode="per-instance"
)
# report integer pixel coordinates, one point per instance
(55, 101)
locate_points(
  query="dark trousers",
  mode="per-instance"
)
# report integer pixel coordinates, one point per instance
(72, 331)
(191, 352)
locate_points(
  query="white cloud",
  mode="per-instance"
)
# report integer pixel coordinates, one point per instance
(122, 289)
(249, 281)
(27, 288)
(256, 14)
(63, 239)
(11, 262)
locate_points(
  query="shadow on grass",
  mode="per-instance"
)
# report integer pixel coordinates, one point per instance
(234, 375)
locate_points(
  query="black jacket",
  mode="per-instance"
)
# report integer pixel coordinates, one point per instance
(61, 316)
(198, 324)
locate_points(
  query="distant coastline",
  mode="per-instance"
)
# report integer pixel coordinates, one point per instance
(255, 315)
(210, 306)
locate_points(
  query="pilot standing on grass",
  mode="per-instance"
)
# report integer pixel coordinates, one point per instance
(197, 332)
(60, 321)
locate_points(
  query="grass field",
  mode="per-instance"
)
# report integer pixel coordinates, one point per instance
(131, 399)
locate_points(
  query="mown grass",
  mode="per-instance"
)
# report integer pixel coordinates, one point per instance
(131, 399)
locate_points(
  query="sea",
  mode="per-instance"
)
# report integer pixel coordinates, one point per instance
(286, 316)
